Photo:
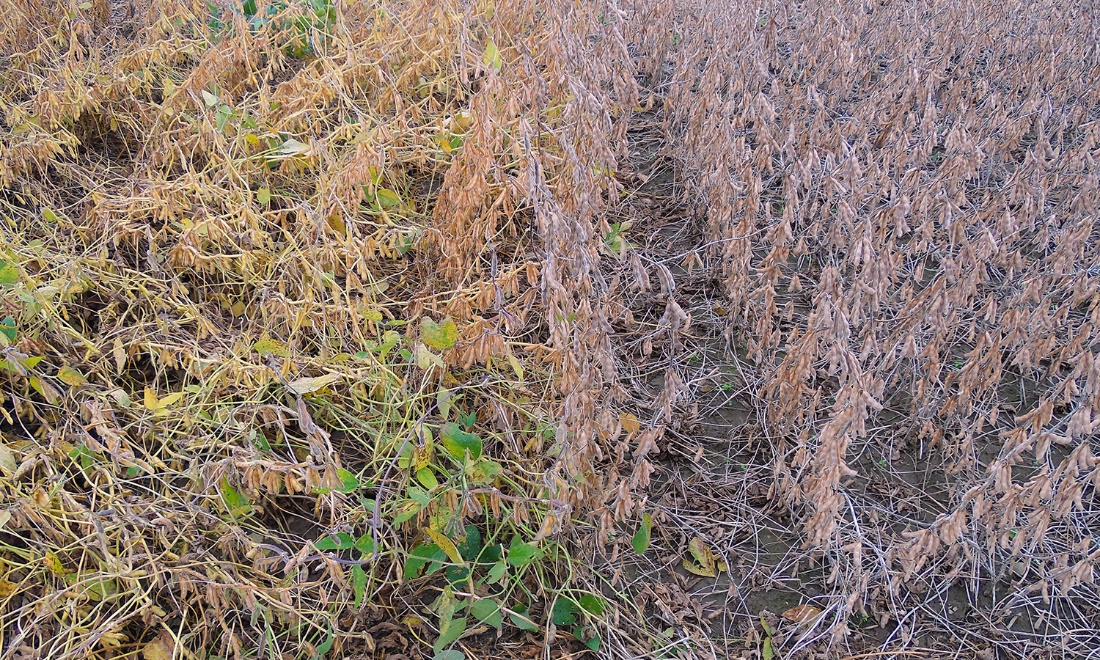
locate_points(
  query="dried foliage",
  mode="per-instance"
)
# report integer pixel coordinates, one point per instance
(899, 205)
(303, 299)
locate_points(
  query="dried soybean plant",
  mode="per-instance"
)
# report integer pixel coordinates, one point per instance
(901, 212)
(295, 293)
(302, 299)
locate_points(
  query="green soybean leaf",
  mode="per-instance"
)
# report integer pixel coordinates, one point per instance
(348, 481)
(498, 571)
(487, 611)
(582, 635)
(7, 328)
(564, 612)
(236, 503)
(640, 542)
(592, 604)
(470, 547)
(520, 619)
(325, 647)
(387, 198)
(419, 557)
(456, 575)
(344, 541)
(365, 544)
(9, 274)
(327, 543)
(458, 442)
(449, 630)
(427, 478)
(358, 583)
(522, 554)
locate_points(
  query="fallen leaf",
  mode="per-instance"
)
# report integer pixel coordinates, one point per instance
(705, 564)
(163, 647)
(629, 423)
(802, 613)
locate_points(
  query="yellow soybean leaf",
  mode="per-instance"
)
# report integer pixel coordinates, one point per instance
(516, 366)
(71, 377)
(55, 565)
(462, 121)
(7, 462)
(446, 545)
(629, 423)
(163, 647)
(150, 399)
(7, 588)
(388, 198)
(269, 346)
(705, 564)
(438, 335)
(492, 56)
(170, 399)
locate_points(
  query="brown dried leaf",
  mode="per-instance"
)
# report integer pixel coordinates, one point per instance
(802, 613)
